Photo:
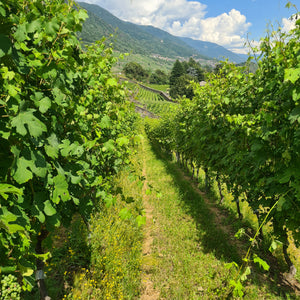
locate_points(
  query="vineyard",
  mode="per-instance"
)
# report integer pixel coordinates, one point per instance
(65, 130)
(92, 207)
(150, 100)
(242, 130)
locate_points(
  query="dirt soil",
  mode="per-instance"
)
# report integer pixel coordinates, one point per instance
(148, 291)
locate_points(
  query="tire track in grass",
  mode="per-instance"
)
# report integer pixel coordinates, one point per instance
(148, 291)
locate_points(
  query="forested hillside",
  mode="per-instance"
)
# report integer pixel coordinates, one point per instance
(147, 40)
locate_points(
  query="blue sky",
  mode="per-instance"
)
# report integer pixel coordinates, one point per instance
(225, 22)
(258, 12)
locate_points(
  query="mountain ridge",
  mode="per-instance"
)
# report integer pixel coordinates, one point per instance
(146, 40)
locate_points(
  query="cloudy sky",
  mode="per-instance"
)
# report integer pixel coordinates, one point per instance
(225, 22)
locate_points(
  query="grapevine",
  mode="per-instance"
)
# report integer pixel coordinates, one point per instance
(11, 289)
(243, 128)
(64, 128)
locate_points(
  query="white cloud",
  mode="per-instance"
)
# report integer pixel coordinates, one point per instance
(288, 24)
(182, 18)
(226, 29)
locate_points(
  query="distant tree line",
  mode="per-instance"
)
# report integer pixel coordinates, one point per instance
(135, 71)
(179, 79)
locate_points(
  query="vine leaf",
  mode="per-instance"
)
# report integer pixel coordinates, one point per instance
(22, 174)
(140, 220)
(60, 189)
(292, 74)
(6, 217)
(295, 115)
(6, 189)
(49, 209)
(105, 122)
(52, 148)
(35, 126)
(125, 214)
(261, 262)
(44, 105)
(245, 274)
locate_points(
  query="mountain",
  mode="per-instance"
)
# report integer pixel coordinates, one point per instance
(130, 37)
(213, 50)
(145, 40)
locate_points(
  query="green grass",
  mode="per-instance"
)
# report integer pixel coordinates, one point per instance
(147, 62)
(190, 249)
(160, 87)
(251, 223)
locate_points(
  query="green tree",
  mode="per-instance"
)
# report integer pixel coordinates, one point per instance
(176, 72)
(195, 70)
(181, 76)
(134, 70)
(181, 87)
(158, 77)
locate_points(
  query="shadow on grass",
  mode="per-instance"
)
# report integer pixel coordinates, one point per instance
(212, 237)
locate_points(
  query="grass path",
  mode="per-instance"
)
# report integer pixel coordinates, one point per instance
(187, 242)
(148, 291)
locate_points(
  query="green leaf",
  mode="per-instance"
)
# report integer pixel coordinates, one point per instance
(36, 212)
(292, 75)
(108, 146)
(295, 115)
(280, 203)
(20, 34)
(6, 189)
(3, 14)
(52, 148)
(112, 82)
(105, 122)
(240, 233)
(52, 27)
(38, 164)
(122, 141)
(65, 148)
(6, 74)
(60, 189)
(26, 271)
(296, 94)
(274, 246)
(108, 199)
(34, 26)
(13, 90)
(238, 288)
(22, 174)
(58, 95)
(125, 214)
(140, 220)
(35, 126)
(6, 217)
(261, 262)
(231, 265)
(53, 221)
(245, 274)
(49, 209)
(82, 14)
(44, 105)
(286, 176)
